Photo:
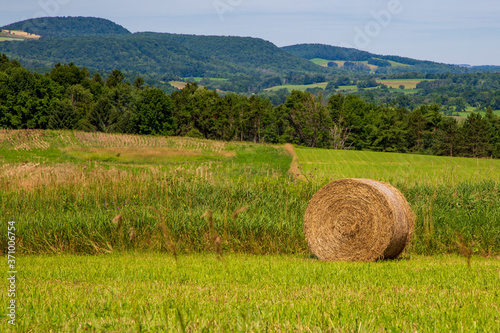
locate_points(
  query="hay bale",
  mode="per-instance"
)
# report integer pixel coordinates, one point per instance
(358, 220)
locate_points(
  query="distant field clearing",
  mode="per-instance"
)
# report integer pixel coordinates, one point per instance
(9, 39)
(301, 87)
(178, 84)
(409, 84)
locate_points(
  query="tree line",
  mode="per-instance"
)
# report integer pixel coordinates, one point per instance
(68, 97)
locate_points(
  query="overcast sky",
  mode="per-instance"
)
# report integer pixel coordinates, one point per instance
(449, 31)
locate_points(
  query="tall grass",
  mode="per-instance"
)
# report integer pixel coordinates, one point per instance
(66, 204)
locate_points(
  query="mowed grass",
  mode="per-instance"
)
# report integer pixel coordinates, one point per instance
(397, 167)
(178, 84)
(152, 292)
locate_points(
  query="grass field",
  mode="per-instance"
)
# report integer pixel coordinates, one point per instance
(408, 84)
(471, 109)
(73, 184)
(396, 167)
(448, 195)
(320, 62)
(151, 292)
(301, 87)
(100, 219)
(178, 84)
(397, 64)
(8, 39)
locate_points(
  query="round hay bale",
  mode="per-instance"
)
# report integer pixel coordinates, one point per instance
(358, 220)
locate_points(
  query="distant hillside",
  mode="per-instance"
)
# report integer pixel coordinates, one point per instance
(100, 44)
(487, 69)
(247, 64)
(128, 53)
(322, 51)
(252, 53)
(328, 52)
(63, 27)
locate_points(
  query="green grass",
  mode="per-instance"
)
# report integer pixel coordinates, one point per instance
(319, 61)
(65, 188)
(471, 109)
(397, 167)
(82, 268)
(398, 64)
(151, 292)
(391, 83)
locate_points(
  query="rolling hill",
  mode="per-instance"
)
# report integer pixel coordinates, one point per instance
(333, 53)
(249, 64)
(101, 45)
(128, 53)
(63, 27)
(256, 54)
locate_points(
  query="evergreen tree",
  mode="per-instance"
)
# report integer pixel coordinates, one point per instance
(99, 117)
(474, 137)
(493, 123)
(62, 115)
(115, 78)
(421, 124)
(388, 132)
(446, 137)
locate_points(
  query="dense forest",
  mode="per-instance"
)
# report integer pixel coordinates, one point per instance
(68, 97)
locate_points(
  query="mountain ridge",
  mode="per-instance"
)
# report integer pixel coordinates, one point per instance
(249, 64)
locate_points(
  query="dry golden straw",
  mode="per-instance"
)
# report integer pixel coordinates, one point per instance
(358, 220)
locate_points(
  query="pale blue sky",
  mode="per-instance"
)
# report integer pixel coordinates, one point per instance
(450, 31)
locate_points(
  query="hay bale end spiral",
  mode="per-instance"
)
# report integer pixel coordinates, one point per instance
(358, 220)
